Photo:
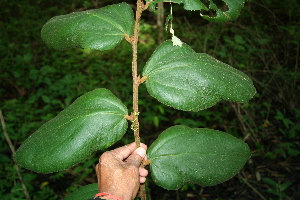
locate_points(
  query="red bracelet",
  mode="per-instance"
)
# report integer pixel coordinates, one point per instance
(107, 195)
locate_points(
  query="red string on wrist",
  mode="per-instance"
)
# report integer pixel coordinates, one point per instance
(107, 195)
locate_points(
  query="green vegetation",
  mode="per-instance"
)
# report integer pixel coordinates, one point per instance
(37, 82)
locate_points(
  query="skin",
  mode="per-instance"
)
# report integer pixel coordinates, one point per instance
(119, 171)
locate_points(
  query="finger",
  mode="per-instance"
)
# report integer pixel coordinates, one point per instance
(143, 146)
(142, 179)
(125, 151)
(137, 157)
(143, 172)
(98, 175)
(145, 159)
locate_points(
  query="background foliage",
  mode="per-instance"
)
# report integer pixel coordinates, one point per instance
(37, 82)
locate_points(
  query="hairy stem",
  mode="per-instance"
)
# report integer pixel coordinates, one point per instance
(136, 82)
(136, 78)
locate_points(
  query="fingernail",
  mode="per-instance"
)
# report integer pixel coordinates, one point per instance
(141, 151)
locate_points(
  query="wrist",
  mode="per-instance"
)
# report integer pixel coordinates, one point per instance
(121, 195)
(107, 196)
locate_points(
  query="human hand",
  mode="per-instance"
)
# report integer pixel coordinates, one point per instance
(119, 171)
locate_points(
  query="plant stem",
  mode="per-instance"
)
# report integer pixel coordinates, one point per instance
(12, 148)
(136, 82)
(136, 78)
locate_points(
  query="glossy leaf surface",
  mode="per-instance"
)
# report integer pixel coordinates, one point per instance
(94, 121)
(234, 8)
(186, 80)
(182, 155)
(100, 29)
(84, 193)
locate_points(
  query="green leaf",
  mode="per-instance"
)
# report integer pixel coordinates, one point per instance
(93, 122)
(100, 29)
(234, 8)
(270, 182)
(182, 155)
(186, 80)
(84, 193)
(285, 185)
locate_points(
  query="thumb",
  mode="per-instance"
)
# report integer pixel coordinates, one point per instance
(137, 157)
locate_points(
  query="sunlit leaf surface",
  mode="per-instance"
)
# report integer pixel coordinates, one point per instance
(186, 80)
(182, 155)
(94, 121)
(100, 29)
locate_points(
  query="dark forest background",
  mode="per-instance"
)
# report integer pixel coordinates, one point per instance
(37, 82)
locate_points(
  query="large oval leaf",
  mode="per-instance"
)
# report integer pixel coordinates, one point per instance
(206, 157)
(100, 29)
(186, 80)
(84, 193)
(234, 8)
(94, 121)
